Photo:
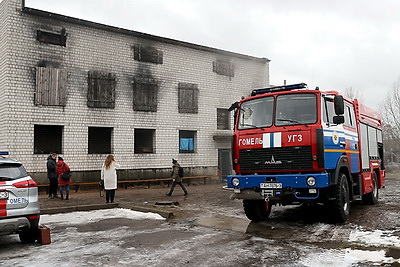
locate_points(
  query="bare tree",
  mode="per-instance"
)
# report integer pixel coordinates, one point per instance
(391, 109)
(353, 93)
(391, 121)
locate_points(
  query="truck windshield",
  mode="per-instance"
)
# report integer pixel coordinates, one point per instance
(294, 109)
(256, 113)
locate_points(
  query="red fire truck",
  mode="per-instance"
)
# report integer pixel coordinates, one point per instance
(294, 145)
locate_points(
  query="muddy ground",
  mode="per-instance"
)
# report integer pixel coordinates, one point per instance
(210, 229)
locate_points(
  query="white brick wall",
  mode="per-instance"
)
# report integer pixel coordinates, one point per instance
(90, 48)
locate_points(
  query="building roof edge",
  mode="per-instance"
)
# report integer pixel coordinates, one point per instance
(42, 13)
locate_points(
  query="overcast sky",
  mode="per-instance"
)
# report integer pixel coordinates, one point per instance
(331, 44)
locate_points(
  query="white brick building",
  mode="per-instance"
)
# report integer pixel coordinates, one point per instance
(83, 90)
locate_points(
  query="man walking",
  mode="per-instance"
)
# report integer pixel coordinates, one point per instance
(176, 178)
(52, 175)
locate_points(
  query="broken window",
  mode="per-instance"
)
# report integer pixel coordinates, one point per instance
(223, 68)
(101, 89)
(188, 94)
(144, 141)
(99, 140)
(52, 37)
(147, 54)
(145, 92)
(222, 119)
(187, 141)
(47, 139)
(51, 86)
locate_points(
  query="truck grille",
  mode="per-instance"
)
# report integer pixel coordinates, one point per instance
(276, 159)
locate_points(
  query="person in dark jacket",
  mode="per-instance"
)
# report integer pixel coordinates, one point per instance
(176, 178)
(52, 175)
(62, 168)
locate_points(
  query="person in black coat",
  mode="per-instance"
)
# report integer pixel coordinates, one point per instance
(52, 175)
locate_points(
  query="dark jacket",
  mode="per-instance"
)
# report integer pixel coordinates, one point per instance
(51, 168)
(175, 172)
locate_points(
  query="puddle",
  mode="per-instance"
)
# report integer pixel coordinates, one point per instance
(259, 229)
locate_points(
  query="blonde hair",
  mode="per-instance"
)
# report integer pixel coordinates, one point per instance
(109, 160)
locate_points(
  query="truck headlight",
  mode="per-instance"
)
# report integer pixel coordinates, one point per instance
(311, 181)
(235, 181)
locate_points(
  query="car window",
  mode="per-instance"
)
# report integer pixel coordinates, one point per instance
(9, 171)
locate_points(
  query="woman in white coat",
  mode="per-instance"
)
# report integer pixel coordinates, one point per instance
(109, 177)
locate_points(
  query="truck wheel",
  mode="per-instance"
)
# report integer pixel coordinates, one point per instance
(372, 197)
(340, 206)
(257, 210)
(29, 236)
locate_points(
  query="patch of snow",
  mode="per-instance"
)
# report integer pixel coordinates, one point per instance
(80, 217)
(374, 238)
(345, 258)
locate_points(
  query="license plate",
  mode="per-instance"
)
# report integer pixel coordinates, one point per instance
(271, 185)
(3, 195)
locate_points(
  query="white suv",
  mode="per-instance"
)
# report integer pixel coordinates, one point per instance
(19, 203)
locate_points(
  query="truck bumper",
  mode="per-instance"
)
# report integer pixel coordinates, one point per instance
(277, 186)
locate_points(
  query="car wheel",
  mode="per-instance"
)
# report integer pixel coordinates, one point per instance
(29, 236)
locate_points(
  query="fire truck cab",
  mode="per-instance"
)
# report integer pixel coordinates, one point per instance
(293, 145)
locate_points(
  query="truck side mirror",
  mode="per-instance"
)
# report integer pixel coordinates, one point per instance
(339, 105)
(338, 119)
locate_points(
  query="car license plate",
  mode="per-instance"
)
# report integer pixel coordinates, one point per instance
(271, 185)
(3, 195)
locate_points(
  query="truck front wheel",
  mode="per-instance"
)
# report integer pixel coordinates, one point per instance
(340, 205)
(257, 210)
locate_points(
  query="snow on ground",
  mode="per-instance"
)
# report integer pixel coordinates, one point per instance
(344, 258)
(72, 246)
(80, 217)
(374, 238)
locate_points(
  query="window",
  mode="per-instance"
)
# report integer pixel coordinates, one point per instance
(147, 54)
(349, 116)
(54, 38)
(99, 140)
(187, 141)
(222, 119)
(223, 68)
(101, 89)
(188, 94)
(145, 92)
(293, 109)
(47, 139)
(144, 141)
(50, 86)
(256, 113)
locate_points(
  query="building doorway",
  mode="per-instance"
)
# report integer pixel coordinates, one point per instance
(224, 163)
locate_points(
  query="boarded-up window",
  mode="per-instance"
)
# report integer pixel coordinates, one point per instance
(188, 95)
(50, 86)
(224, 68)
(101, 89)
(222, 119)
(52, 37)
(99, 140)
(147, 54)
(145, 92)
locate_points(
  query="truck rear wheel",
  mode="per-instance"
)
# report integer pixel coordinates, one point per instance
(257, 210)
(340, 206)
(372, 197)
